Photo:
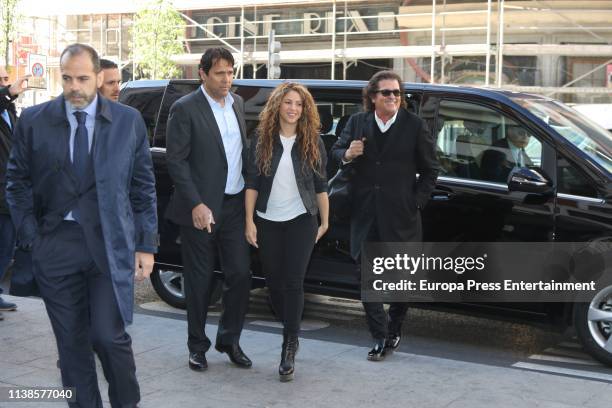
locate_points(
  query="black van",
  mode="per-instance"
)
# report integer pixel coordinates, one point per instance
(574, 201)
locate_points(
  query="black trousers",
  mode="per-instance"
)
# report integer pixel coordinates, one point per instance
(200, 250)
(284, 250)
(83, 310)
(379, 322)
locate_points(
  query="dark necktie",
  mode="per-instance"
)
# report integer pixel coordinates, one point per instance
(80, 156)
(80, 152)
(523, 160)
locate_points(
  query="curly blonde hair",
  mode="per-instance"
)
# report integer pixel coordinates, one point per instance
(308, 128)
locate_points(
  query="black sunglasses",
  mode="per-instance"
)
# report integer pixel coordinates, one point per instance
(388, 92)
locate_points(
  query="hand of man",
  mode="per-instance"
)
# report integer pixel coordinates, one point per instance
(144, 265)
(202, 217)
(19, 86)
(354, 150)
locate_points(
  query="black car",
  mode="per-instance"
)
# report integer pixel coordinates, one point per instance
(469, 204)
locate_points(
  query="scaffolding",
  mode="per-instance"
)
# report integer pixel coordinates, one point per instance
(422, 38)
(441, 19)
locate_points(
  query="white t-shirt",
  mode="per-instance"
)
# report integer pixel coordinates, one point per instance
(285, 202)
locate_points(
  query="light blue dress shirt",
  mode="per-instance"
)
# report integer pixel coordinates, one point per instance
(90, 124)
(232, 141)
(7, 118)
(516, 155)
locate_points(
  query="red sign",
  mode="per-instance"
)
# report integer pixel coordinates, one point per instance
(37, 69)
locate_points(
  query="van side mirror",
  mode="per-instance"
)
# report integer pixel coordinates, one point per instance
(529, 180)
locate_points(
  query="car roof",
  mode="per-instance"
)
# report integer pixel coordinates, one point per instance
(488, 92)
(504, 97)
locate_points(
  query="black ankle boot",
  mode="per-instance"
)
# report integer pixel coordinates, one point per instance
(287, 364)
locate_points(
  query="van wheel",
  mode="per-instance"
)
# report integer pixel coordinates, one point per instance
(593, 323)
(169, 286)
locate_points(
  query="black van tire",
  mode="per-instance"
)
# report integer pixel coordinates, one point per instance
(168, 285)
(592, 333)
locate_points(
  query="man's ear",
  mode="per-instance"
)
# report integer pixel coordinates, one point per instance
(201, 74)
(99, 79)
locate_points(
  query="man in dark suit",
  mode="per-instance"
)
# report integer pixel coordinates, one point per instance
(206, 147)
(386, 196)
(8, 117)
(506, 154)
(81, 191)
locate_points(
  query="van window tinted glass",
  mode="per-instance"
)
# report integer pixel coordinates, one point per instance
(587, 136)
(174, 91)
(572, 181)
(477, 142)
(147, 101)
(335, 106)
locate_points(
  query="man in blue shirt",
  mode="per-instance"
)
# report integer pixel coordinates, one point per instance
(206, 136)
(81, 191)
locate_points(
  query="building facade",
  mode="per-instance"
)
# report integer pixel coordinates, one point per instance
(555, 47)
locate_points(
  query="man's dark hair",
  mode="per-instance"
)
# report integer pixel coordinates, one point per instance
(107, 64)
(78, 49)
(212, 55)
(372, 87)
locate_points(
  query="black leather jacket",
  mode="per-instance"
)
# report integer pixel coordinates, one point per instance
(309, 183)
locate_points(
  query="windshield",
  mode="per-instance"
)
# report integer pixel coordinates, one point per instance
(578, 130)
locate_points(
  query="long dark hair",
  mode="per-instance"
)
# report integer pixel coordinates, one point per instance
(308, 127)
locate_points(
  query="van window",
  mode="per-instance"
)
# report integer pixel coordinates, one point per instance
(147, 101)
(334, 115)
(572, 181)
(477, 142)
(174, 91)
(335, 106)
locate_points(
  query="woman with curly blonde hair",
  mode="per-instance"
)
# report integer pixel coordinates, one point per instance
(286, 187)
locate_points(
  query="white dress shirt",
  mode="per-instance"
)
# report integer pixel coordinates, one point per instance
(232, 141)
(384, 126)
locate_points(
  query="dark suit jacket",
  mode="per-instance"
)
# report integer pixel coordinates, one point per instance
(196, 157)
(384, 183)
(497, 162)
(40, 194)
(6, 103)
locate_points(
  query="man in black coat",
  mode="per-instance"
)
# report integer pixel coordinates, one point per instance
(206, 148)
(387, 146)
(8, 118)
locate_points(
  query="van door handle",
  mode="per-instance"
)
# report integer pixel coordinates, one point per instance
(442, 196)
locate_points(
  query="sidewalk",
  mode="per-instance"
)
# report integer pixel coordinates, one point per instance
(327, 374)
